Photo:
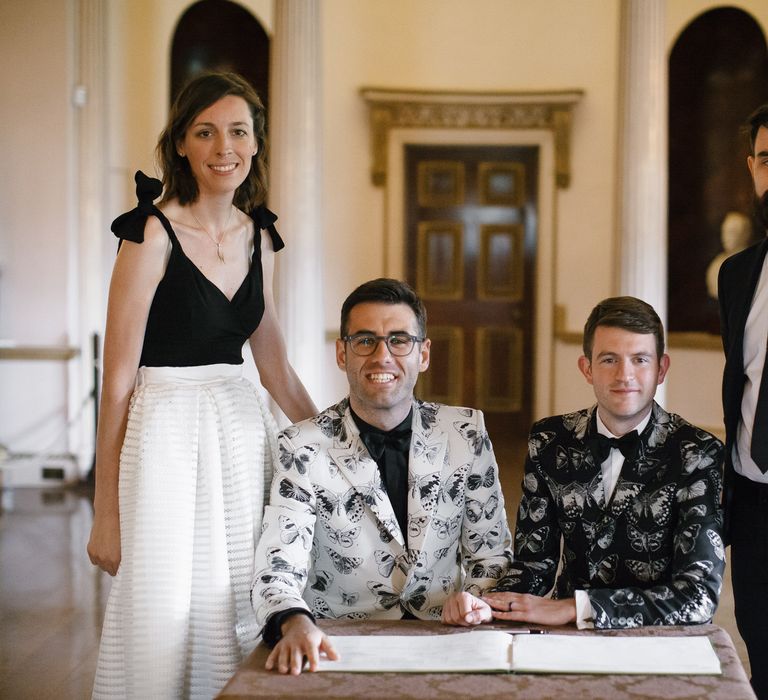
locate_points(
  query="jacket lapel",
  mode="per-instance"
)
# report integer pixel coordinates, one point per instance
(583, 464)
(754, 270)
(636, 475)
(427, 467)
(356, 465)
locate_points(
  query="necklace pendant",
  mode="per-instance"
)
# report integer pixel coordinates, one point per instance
(218, 243)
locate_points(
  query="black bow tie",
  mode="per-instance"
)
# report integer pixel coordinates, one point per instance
(397, 440)
(627, 444)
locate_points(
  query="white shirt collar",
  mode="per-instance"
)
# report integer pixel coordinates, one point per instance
(639, 427)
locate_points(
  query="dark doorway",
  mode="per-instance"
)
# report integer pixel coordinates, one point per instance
(220, 35)
(718, 74)
(470, 253)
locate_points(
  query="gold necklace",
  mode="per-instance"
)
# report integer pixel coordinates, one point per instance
(223, 233)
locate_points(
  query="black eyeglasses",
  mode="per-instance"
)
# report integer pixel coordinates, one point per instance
(398, 344)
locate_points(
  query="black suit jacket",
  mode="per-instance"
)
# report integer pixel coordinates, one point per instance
(653, 553)
(736, 285)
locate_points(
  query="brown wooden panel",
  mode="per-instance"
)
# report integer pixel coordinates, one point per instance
(501, 184)
(499, 358)
(440, 183)
(444, 379)
(501, 269)
(440, 265)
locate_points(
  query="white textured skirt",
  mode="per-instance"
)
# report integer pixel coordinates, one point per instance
(195, 469)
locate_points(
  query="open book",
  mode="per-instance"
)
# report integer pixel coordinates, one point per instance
(488, 651)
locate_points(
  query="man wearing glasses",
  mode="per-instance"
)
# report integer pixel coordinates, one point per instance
(383, 506)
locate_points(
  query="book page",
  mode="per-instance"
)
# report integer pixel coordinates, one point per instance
(462, 652)
(596, 653)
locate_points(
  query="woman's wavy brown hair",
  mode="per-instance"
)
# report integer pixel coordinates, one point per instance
(198, 94)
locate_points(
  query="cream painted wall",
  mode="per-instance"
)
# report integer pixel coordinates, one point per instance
(693, 384)
(37, 258)
(681, 13)
(141, 32)
(485, 45)
(432, 44)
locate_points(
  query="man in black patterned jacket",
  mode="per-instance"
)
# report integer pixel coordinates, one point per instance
(632, 491)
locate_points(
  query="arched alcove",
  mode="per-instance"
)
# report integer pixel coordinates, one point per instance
(220, 35)
(718, 73)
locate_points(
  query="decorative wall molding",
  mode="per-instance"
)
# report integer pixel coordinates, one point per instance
(391, 109)
(695, 340)
(676, 340)
(560, 327)
(38, 352)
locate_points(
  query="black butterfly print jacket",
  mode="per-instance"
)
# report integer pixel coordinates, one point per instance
(652, 554)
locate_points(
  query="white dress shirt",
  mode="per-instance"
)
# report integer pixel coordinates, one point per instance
(611, 468)
(755, 340)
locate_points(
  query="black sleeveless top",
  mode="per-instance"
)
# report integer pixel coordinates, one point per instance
(191, 321)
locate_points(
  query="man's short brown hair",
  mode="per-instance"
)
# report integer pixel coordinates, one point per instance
(629, 313)
(384, 291)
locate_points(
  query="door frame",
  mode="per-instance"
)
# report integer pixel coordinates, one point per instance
(544, 287)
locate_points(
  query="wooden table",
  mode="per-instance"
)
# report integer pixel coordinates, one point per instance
(252, 681)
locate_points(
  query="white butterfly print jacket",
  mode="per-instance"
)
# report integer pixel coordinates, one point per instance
(653, 553)
(331, 543)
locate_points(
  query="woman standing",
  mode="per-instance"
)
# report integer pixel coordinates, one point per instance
(185, 444)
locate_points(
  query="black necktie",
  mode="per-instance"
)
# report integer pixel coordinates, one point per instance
(759, 447)
(390, 452)
(627, 444)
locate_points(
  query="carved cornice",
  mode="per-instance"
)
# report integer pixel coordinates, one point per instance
(391, 109)
(694, 341)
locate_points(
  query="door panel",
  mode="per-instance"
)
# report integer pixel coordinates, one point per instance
(440, 259)
(444, 381)
(470, 254)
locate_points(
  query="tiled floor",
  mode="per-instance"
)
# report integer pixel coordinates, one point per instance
(52, 600)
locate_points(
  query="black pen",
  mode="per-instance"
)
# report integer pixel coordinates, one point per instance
(529, 632)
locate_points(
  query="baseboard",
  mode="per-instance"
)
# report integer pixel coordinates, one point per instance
(31, 470)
